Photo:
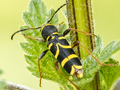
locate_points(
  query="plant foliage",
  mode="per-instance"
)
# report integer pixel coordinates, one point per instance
(37, 15)
(2, 82)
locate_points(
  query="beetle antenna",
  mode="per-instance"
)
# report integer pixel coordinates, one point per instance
(22, 30)
(55, 12)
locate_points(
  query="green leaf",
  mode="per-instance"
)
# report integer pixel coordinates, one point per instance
(38, 10)
(98, 42)
(31, 60)
(30, 48)
(109, 75)
(63, 27)
(116, 48)
(36, 16)
(2, 84)
(107, 51)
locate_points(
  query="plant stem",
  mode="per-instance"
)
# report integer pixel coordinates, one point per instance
(80, 17)
(14, 86)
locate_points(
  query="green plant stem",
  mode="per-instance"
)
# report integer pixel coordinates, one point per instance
(80, 17)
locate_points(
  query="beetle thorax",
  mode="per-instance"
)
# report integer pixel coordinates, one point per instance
(48, 30)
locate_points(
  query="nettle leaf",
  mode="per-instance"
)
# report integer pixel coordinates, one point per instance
(109, 75)
(2, 85)
(2, 82)
(38, 16)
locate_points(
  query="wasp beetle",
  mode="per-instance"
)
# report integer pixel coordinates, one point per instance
(61, 49)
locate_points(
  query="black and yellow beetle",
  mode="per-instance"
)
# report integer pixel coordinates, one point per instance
(61, 49)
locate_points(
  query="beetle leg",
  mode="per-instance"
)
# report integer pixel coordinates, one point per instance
(38, 39)
(68, 30)
(77, 42)
(40, 57)
(57, 68)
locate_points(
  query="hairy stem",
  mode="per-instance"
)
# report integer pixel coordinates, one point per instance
(14, 86)
(80, 17)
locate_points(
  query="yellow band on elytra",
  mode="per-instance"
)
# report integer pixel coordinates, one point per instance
(64, 46)
(57, 52)
(61, 38)
(67, 59)
(50, 46)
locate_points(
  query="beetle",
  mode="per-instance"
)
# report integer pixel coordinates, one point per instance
(60, 48)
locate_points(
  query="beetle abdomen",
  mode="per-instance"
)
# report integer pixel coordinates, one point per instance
(65, 55)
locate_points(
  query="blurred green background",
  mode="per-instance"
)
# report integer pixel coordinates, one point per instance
(107, 25)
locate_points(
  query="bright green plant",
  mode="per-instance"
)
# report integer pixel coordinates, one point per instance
(37, 16)
(2, 82)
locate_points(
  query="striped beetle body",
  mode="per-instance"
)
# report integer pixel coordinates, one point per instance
(59, 47)
(62, 51)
